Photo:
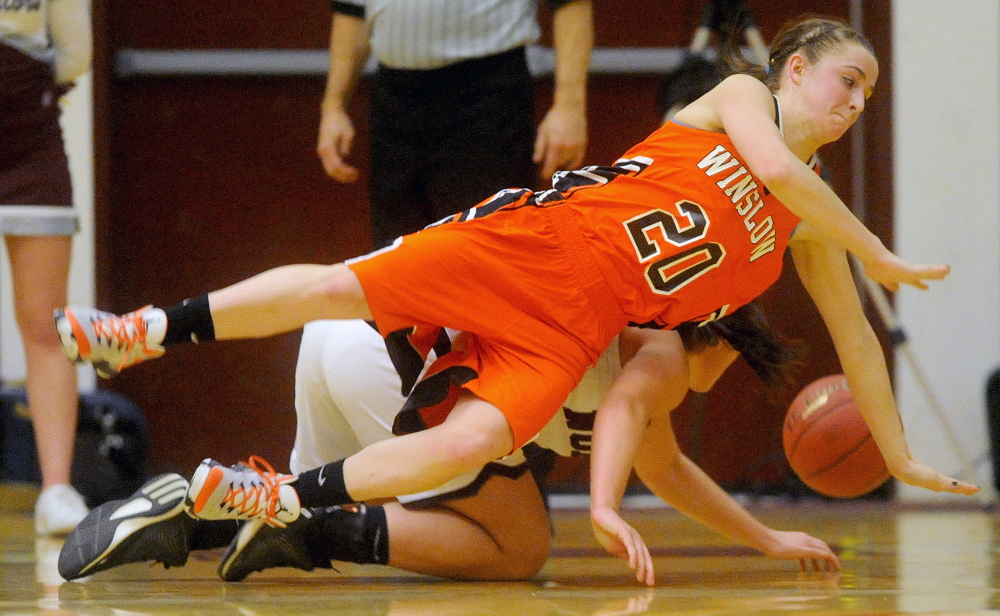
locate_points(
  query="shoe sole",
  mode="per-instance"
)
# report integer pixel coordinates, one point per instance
(108, 526)
(235, 549)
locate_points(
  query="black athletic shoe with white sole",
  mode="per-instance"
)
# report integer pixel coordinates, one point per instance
(150, 525)
(259, 546)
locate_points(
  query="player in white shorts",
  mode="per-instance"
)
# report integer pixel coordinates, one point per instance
(341, 409)
(490, 524)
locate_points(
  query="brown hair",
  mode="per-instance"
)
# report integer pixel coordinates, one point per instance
(772, 357)
(814, 35)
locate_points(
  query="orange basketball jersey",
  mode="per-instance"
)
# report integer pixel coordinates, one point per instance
(688, 233)
(677, 230)
(679, 227)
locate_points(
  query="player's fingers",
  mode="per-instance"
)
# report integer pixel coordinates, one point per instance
(961, 487)
(541, 147)
(640, 560)
(332, 163)
(644, 563)
(640, 563)
(936, 272)
(802, 565)
(342, 172)
(636, 561)
(629, 548)
(835, 563)
(646, 577)
(641, 555)
(650, 574)
(551, 164)
(345, 143)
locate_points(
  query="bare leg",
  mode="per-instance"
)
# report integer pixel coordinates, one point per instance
(40, 267)
(474, 433)
(501, 533)
(285, 299)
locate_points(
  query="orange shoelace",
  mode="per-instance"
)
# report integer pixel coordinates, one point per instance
(252, 500)
(128, 332)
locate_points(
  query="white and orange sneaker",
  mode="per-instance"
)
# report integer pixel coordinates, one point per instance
(250, 490)
(111, 343)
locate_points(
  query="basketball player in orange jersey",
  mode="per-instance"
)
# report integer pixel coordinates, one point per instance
(687, 226)
(489, 524)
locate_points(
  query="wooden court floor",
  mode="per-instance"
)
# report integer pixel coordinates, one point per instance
(897, 560)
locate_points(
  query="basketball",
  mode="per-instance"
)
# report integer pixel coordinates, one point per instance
(827, 442)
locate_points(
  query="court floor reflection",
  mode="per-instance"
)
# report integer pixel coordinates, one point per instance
(896, 560)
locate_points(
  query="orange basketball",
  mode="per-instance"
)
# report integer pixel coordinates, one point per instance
(827, 442)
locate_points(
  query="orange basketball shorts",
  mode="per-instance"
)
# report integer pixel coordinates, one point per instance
(521, 283)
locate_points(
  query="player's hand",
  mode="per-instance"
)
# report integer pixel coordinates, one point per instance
(336, 136)
(620, 539)
(562, 140)
(790, 545)
(890, 271)
(916, 473)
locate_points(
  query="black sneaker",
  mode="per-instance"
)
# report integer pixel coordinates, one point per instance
(149, 525)
(259, 546)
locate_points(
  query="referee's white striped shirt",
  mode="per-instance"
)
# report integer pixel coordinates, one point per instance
(425, 34)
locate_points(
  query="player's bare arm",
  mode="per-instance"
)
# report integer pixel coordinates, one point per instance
(825, 272)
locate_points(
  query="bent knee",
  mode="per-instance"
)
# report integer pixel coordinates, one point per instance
(529, 560)
(471, 449)
(476, 432)
(37, 330)
(514, 563)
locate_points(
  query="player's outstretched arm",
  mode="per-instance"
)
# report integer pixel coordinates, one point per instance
(826, 274)
(653, 380)
(684, 486)
(745, 109)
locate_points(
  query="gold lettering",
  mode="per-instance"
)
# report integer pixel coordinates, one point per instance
(751, 200)
(746, 221)
(725, 182)
(763, 248)
(739, 190)
(762, 229)
(719, 159)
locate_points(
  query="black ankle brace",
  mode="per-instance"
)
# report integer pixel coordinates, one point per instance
(360, 536)
(189, 321)
(323, 486)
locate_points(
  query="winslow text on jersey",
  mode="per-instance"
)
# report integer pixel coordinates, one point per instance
(739, 185)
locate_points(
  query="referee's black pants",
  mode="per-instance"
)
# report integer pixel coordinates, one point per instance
(443, 140)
